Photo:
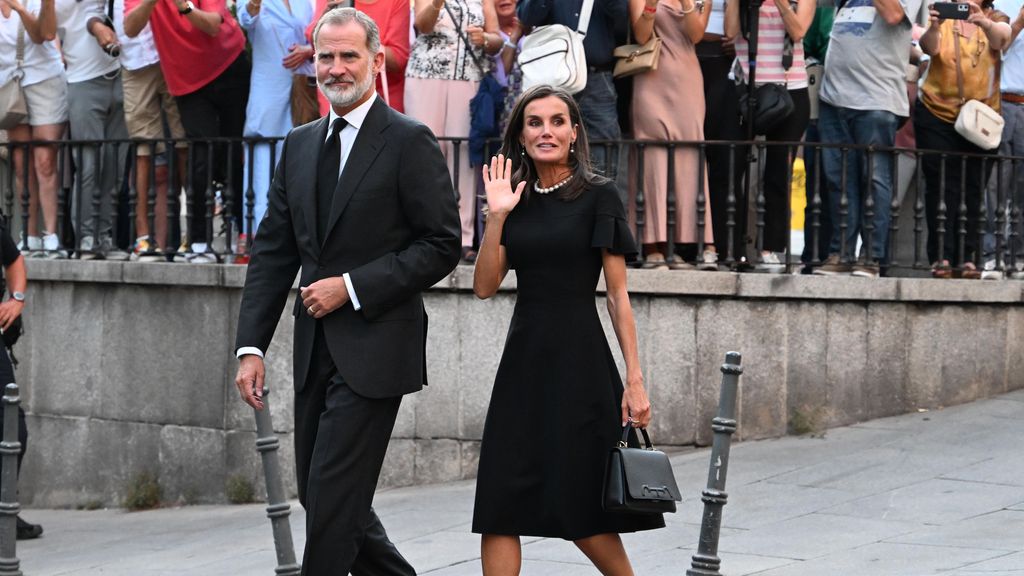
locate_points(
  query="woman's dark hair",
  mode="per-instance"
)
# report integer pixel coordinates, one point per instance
(583, 175)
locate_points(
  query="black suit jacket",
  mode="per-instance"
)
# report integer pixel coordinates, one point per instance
(393, 227)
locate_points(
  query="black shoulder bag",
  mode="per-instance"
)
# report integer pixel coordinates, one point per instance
(774, 104)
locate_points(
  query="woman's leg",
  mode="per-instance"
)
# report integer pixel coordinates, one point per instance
(607, 554)
(25, 169)
(501, 555)
(45, 162)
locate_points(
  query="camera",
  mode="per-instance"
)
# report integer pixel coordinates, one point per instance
(953, 10)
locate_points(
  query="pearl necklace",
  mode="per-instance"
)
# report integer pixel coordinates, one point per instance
(550, 189)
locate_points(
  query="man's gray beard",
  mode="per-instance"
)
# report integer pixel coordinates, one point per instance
(344, 99)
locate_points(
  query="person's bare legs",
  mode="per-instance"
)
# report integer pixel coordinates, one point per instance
(501, 555)
(23, 133)
(45, 161)
(143, 165)
(607, 554)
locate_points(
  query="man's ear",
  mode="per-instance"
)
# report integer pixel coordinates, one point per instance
(378, 61)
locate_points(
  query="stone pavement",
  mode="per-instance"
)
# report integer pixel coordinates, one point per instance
(938, 492)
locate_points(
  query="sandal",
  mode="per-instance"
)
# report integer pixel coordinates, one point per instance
(655, 261)
(468, 255)
(970, 272)
(942, 270)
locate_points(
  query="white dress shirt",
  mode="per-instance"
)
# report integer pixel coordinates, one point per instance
(355, 119)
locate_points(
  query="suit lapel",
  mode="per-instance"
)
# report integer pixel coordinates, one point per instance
(368, 144)
(309, 192)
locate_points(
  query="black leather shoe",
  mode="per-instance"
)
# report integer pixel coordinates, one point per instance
(27, 531)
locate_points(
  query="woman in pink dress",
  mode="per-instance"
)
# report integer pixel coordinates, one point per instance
(668, 104)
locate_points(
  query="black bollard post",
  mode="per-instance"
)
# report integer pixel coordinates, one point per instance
(706, 561)
(10, 447)
(278, 508)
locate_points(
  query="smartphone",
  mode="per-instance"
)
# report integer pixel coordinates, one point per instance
(952, 10)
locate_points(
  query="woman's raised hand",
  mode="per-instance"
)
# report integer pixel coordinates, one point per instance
(501, 199)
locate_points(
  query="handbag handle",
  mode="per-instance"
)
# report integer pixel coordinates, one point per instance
(625, 438)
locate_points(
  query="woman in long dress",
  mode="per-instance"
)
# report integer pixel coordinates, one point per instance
(559, 226)
(665, 108)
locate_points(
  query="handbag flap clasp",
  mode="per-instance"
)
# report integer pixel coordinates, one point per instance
(649, 475)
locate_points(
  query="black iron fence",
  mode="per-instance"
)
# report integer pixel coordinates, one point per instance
(683, 198)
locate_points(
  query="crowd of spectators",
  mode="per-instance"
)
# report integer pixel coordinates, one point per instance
(202, 73)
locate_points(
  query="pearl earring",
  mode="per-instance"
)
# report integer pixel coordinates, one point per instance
(572, 147)
(522, 152)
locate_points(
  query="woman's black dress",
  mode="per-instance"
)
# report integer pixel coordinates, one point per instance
(555, 408)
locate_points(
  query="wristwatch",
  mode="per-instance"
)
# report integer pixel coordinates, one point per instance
(189, 6)
(19, 296)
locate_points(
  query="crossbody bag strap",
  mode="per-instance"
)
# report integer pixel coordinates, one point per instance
(19, 55)
(959, 74)
(469, 45)
(585, 12)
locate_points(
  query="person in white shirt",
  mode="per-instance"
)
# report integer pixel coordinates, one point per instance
(45, 89)
(1011, 88)
(96, 112)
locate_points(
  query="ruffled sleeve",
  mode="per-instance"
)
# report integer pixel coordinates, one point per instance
(611, 229)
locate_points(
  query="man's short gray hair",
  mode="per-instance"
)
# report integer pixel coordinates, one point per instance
(342, 16)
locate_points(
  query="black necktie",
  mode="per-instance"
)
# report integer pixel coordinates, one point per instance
(327, 176)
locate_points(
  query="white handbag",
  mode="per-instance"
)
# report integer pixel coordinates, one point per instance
(12, 97)
(977, 122)
(980, 124)
(553, 54)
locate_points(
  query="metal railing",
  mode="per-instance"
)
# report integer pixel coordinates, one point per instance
(213, 199)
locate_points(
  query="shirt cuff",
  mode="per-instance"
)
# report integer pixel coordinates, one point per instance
(351, 292)
(244, 350)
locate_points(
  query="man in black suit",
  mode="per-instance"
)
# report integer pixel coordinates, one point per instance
(367, 243)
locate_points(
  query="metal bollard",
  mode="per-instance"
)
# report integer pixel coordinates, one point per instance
(278, 508)
(706, 561)
(9, 449)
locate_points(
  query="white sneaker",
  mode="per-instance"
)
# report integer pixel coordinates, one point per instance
(770, 263)
(989, 272)
(35, 244)
(87, 249)
(200, 254)
(52, 248)
(709, 261)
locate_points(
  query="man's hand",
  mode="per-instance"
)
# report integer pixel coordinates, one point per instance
(250, 380)
(324, 296)
(9, 311)
(105, 36)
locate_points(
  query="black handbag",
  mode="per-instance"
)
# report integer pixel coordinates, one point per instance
(774, 105)
(639, 480)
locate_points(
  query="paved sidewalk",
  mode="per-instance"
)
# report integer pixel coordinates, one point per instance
(927, 493)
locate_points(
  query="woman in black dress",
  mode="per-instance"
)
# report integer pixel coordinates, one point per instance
(558, 405)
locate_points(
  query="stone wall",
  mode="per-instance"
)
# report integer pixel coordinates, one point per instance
(128, 367)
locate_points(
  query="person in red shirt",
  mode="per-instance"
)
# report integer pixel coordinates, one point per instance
(392, 18)
(203, 58)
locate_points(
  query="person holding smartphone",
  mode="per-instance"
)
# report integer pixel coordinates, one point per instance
(966, 52)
